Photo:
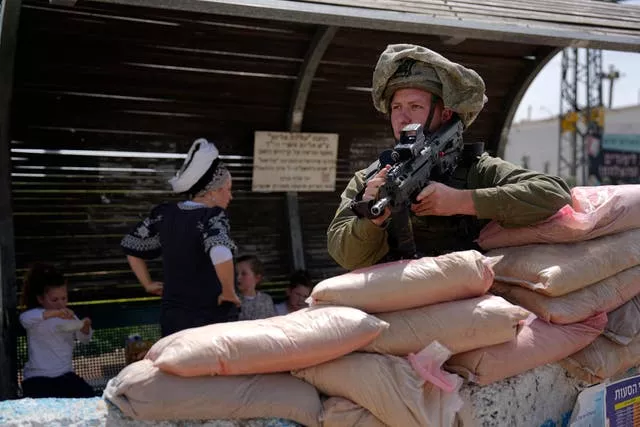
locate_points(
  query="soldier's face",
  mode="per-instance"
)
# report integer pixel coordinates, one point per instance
(412, 106)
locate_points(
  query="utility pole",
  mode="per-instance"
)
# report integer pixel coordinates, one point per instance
(612, 76)
(581, 110)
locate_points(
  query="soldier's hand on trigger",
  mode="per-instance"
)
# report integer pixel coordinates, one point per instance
(372, 189)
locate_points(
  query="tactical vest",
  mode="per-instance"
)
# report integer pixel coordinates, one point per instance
(438, 235)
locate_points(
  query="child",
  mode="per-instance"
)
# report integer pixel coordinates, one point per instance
(51, 329)
(298, 291)
(255, 305)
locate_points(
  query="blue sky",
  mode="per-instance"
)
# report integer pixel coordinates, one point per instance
(544, 93)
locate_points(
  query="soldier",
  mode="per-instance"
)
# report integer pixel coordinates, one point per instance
(412, 84)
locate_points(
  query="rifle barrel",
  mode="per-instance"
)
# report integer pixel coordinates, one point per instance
(378, 208)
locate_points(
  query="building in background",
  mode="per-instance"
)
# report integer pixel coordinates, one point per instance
(534, 143)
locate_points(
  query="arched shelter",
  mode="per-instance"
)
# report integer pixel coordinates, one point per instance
(100, 98)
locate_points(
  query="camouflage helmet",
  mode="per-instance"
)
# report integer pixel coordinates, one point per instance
(411, 66)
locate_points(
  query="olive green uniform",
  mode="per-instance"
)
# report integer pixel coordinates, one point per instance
(504, 192)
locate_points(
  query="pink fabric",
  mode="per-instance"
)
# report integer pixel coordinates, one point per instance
(536, 344)
(428, 364)
(594, 212)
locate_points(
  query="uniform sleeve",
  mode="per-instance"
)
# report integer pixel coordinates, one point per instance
(217, 232)
(143, 241)
(31, 318)
(514, 196)
(355, 242)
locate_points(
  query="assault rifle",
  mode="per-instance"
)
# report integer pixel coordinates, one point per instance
(415, 161)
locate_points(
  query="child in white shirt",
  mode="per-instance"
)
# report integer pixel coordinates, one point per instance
(255, 304)
(52, 329)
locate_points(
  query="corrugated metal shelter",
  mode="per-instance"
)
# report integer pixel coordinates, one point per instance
(105, 96)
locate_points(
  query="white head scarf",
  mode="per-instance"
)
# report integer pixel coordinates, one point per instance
(201, 170)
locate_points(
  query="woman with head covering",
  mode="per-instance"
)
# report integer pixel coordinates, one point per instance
(192, 236)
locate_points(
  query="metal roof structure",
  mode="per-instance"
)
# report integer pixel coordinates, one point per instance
(560, 23)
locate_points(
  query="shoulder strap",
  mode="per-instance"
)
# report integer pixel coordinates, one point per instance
(469, 157)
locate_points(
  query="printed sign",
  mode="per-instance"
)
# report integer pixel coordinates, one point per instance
(288, 161)
(613, 159)
(622, 400)
(615, 404)
(621, 142)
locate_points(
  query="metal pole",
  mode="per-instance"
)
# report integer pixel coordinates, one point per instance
(318, 46)
(9, 17)
(574, 135)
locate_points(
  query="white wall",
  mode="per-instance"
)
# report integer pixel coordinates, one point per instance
(536, 139)
(539, 139)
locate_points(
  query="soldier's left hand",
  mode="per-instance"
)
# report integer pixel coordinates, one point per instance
(441, 200)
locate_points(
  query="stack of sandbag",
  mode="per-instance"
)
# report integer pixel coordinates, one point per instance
(435, 307)
(580, 262)
(444, 299)
(316, 349)
(367, 389)
(430, 299)
(613, 353)
(375, 340)
(240, 370)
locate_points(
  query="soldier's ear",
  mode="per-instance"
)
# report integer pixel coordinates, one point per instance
(447, 113)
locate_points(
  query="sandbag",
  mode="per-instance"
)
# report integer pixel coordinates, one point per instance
(278, 344)
(603, 359)
(594, 212)
(605, 295)
(143, 392)
(407, 284)
(387, 386)
(339, 412)
(558, 269)
(624, 323)
(537, 344)
(460, 326)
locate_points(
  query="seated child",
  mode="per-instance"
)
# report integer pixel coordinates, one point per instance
(298, 291)
(52, 329)
(136, 348)
(255, 304)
